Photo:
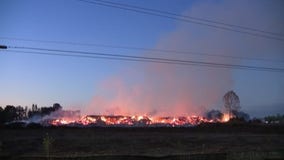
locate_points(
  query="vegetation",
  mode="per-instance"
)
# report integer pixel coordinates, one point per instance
(231, 103)
(11, 113)
(47, 145)
(207, 141)
(215, 115)
(232, 106)
(275, 119)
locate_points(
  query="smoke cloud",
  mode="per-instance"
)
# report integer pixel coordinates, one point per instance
(162, 90)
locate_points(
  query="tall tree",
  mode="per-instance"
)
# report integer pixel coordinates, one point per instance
(57, 106)
(10, 113)
(20, 113)
(2, 118)
(231, 103)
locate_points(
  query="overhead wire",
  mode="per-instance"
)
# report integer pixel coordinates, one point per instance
(182, 19)
(86, 56)
(168, 51)
(194, 18)
(144, 58)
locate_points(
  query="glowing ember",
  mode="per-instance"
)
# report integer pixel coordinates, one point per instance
(129, 121)
(226, 117)
(61, 122)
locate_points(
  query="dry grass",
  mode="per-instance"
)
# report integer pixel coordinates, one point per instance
(104, 142)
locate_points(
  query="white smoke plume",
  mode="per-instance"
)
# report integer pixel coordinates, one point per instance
(160, 89)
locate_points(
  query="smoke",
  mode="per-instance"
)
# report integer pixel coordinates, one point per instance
(161, 89)
(58, 114)
(214, 115)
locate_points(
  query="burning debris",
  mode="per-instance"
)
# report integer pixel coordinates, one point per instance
(131, 121)
(70, 118)
(56, 116)
(74, 119)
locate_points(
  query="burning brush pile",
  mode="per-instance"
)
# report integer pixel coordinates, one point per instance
(130, 121)
(56, 116)
(60, 117)
(73, 119)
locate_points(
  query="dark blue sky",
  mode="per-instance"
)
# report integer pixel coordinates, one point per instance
(108, 86)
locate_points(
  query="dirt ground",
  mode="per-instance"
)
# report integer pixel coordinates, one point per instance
(149, 142)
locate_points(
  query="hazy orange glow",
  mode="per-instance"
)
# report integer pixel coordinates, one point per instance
(119, 120)
(226, 117)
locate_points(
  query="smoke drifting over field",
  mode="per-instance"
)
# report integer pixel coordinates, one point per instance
(160, 89)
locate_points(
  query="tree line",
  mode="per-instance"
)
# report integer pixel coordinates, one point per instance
(16, 113)
(274, 119)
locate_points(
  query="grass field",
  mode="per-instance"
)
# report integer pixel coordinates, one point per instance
(143, 143)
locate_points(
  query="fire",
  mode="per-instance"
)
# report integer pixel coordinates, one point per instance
(132, 121)
(226, 117)
(61, 122)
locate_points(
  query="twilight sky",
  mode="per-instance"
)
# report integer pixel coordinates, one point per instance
(97, 86)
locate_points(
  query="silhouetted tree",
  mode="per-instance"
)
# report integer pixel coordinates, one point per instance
(46, 110)
(57, 106)
(34, 111)
(43, 111)
(1, 115)
(231, 102)
(241, 115)
(10, 113)
(255, 121)
(275, 119)
(34, 107)
(20, 113)
(26, 111)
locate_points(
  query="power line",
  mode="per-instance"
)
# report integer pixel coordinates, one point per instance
(145, 49)
(144, 59)
(194, 18)
(107, 58)
(86, 56)
(183, 19)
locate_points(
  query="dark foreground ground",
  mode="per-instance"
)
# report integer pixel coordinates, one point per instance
(204, 142)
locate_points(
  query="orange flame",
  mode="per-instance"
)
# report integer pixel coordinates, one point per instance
(226, 117)
(118, 120)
